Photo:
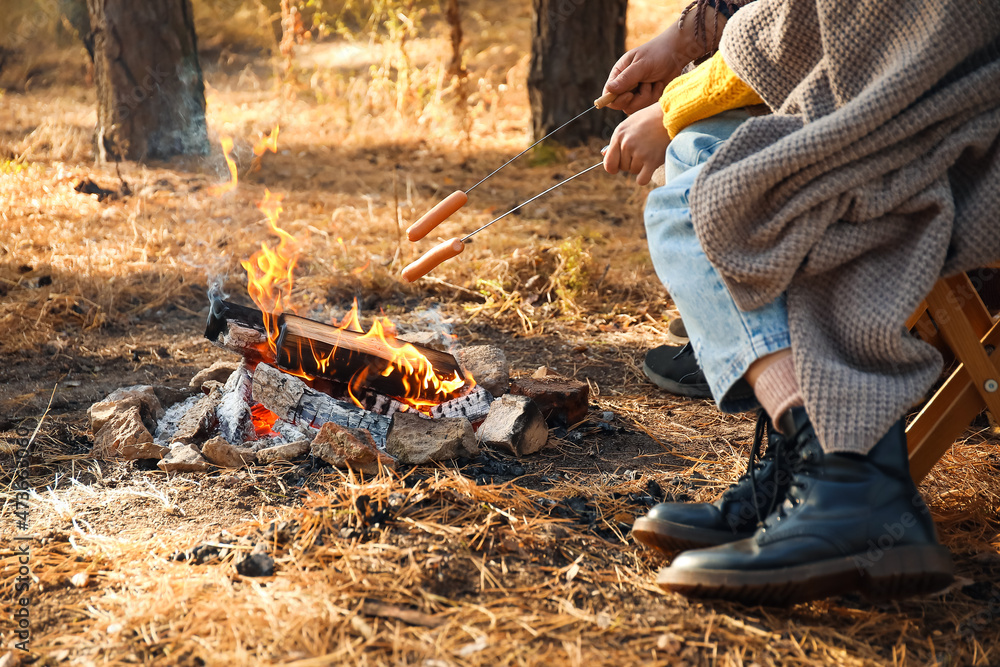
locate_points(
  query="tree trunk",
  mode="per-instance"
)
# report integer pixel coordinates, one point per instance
(150, 92)
(574, 45)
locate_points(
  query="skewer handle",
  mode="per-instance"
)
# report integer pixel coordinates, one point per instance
(604, 100)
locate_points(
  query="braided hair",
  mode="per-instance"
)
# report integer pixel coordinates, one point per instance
(725, 7)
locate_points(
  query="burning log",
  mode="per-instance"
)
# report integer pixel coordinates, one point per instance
(295, 402)
(238, 329)
(362, 360)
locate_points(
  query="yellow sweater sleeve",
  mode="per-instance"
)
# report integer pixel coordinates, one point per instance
(705, 91)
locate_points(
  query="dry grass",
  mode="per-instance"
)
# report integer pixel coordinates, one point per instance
(369, 152)
(462, 574)
(397, 571)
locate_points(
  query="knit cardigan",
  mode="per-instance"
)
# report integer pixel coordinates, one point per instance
(876, 174)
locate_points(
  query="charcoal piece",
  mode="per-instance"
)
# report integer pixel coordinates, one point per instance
(474, 406)
(256, 565)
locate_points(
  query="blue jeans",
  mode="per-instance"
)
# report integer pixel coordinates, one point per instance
(726, 340)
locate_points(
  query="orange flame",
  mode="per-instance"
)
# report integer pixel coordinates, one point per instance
(270, 279)
(268, 143)
(264, 144)
(423, 386)
(351, 322)
(270, 271)
(227, 148)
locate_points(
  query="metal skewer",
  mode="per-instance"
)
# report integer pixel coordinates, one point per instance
(582, 113)
(599, 103)
(457, 199)
(559, 184)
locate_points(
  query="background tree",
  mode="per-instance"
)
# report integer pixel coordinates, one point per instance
(574, 45)
(150, 91)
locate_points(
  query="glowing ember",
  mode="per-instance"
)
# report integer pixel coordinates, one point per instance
(227, 148)
(263, 420)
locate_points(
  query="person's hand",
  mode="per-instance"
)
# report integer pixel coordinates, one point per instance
(639, 145)
(639, 76)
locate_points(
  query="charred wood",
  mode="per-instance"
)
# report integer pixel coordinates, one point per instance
(295, 402)
(323, 350)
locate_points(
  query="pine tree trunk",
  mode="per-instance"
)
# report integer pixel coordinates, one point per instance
(574, 45)
(150, 92)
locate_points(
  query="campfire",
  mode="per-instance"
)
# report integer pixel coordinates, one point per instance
(355, 397)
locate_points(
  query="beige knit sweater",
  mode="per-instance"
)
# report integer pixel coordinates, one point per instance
(877, 173)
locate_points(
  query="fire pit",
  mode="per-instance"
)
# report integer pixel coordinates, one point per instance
(355, 398)
(303, 386)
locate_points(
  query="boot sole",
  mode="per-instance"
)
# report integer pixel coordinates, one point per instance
(674, 387)
(898, 572)
(672, 538)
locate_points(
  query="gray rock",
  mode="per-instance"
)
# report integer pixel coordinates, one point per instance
(292, 450)
(344, 447)
(198, 423)
(125, 436)
(514, 424)
(225, 455)
(219, 371)
(103, 412)
(183, 457)
(143, 396)
(414, 439)
(488, 366)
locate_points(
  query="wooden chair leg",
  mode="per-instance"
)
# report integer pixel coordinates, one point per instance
(966, 327)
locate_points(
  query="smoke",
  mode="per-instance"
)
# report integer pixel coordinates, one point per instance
(216, 295)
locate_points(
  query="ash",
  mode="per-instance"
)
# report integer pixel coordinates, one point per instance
(167, 425)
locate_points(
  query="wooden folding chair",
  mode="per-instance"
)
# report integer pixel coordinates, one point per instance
(954, 319)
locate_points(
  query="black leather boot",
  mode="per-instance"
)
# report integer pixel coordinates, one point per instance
(849, 523)
(673, 527)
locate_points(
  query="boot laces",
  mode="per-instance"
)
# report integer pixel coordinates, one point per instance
(758, 439)
(798, 464)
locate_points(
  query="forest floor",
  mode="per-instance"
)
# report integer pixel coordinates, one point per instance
(500, 562)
